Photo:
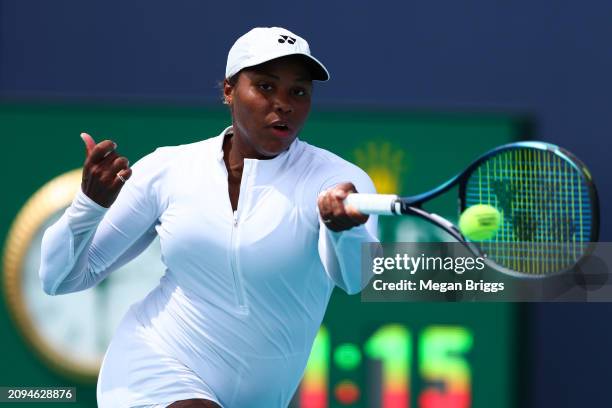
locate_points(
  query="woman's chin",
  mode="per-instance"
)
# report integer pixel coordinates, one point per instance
(276, 146)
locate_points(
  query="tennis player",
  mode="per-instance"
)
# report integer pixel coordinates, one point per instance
(254, 237)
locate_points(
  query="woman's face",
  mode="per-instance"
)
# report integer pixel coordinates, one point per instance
(269, 105)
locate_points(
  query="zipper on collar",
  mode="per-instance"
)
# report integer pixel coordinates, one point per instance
(243, 199)
(236, 274)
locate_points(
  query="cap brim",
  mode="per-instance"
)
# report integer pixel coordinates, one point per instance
(317, 69)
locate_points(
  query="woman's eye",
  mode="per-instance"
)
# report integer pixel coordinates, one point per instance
(265, 87)
(300, 92)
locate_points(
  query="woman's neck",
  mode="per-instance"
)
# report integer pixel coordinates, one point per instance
(233, 157)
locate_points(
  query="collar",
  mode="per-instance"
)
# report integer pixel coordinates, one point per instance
(284, 159)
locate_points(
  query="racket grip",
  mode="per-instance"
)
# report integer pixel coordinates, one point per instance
(381, 204)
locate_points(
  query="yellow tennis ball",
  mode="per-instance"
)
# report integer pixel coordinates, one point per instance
(480, 222)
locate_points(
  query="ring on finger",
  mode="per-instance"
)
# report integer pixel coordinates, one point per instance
(120, 177)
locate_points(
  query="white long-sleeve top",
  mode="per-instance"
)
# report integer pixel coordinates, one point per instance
(244, 292)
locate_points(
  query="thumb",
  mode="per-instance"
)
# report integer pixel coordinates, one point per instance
(344, 189)
(89, 142)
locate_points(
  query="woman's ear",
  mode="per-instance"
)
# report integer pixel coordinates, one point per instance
(227, 92)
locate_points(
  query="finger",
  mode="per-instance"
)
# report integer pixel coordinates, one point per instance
(90, 143)
(320, 204)
(101, 150)
(346, 187)
(346, 216)
(104, 167)
(341, 191)
(324, 210)
(119, 163)
(337, 197)
(107, 161)
(126, 173)
(329, 204)
(332, 212)
(112, 169)
(339, 220)
(121, 177)
(355, 215)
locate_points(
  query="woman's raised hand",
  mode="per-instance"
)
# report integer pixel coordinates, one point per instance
(104, 171)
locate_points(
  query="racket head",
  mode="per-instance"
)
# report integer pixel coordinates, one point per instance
(548, 203)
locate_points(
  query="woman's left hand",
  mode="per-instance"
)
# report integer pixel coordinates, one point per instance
(334, 214)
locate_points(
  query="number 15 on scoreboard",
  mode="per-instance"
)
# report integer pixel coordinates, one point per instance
(441, 361)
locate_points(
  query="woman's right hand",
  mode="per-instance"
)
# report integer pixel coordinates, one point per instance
(104, 171)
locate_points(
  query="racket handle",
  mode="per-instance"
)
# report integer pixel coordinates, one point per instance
(381, 204)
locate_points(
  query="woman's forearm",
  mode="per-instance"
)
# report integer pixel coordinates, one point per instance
(65, 248)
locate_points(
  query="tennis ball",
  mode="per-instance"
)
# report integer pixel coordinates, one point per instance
(480, 222)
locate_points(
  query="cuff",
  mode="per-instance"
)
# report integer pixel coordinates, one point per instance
(84, 212)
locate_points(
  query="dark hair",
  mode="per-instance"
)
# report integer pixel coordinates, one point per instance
(233, 80)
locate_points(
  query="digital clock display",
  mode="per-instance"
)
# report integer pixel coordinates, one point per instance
(441, 355)
(410, 355)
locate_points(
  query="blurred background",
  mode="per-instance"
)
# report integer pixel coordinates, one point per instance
(418, 90)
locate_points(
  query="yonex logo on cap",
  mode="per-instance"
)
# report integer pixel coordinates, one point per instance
(286, 38)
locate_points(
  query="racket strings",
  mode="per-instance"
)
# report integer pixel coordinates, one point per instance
(545, 206)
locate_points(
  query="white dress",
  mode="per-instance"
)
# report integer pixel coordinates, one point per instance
(244, 293)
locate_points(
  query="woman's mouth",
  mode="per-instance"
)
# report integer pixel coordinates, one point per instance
(281, 130)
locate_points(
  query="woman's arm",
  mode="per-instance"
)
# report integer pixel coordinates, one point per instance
(90, 240)
(84, 245)
(342, 231)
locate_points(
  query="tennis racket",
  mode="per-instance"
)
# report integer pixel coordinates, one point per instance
(546, 197)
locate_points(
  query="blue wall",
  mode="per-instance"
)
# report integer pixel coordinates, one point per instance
(549, 59)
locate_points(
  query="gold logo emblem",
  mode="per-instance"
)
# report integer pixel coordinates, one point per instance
(384, 163)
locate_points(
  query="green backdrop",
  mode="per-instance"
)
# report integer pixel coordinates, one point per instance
(466, 353)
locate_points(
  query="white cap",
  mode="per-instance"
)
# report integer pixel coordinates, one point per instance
(263, 44)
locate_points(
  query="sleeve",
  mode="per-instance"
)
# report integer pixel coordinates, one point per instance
(341, 252)
(88, 242)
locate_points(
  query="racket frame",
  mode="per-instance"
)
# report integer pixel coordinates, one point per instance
(413, 205)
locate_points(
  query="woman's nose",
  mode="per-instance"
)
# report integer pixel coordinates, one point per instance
(283, 104)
